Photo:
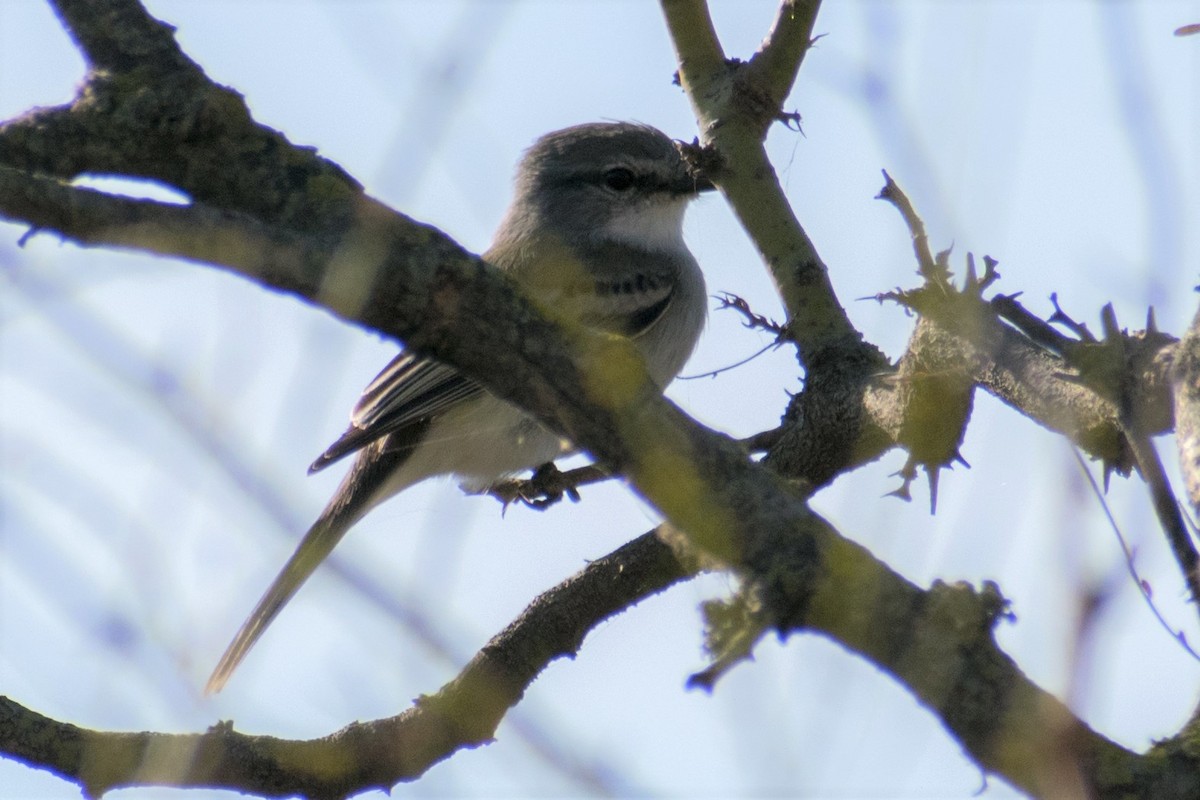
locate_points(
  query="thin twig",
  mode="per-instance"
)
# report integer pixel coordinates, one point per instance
(1143, 586)
(892, 193)
(712, 373)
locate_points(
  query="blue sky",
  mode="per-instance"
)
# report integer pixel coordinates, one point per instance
(139, 397)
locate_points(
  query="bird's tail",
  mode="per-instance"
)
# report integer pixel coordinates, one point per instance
(369, 481)
(318, 543)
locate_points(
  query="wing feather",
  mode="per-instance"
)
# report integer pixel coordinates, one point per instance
(628, 300)
(408, 390)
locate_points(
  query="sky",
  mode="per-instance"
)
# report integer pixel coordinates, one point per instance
(157, 418)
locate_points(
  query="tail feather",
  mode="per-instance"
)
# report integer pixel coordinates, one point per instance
(372, 478)
(317, 544)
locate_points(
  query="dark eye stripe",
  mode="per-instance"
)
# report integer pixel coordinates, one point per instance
(646, 182)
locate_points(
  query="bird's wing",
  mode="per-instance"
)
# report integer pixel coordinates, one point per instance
(615, 290)
(408, 390)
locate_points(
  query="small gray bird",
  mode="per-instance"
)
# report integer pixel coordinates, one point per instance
(595, 232)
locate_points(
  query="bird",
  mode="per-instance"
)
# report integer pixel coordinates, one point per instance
(594, 231)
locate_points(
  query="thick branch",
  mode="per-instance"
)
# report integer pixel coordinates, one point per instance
(194, 232)
(938, 643)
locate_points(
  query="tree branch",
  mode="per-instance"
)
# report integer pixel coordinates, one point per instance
(778, 60)
(283, 217)
(735, 104)
(464, 713)
(120, 36)
(852, 407)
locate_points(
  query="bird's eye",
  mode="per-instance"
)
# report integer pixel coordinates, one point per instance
(619, 179)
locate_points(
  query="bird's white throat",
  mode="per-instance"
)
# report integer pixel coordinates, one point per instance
(657, 226)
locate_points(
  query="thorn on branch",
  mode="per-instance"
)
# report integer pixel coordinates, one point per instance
(752, 320)
(907, 474)
(34, 230)
(1111, 467)
(791, 120)
(898, 296)
(975, 285)
(996, 606)
(938, 288)
(941, 262)
(1103, 366)
(1062, 318)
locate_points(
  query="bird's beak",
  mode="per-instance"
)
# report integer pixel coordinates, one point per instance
(695, 178)
(701, 183)
(692, 182)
